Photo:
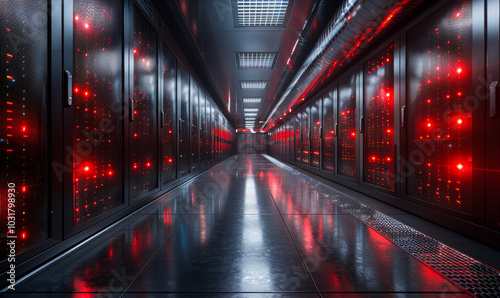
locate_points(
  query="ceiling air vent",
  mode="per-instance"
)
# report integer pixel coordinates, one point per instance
(252, 99)
(260, 12)
(256, 60)
(260, 85)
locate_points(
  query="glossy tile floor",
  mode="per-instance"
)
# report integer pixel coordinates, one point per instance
(246, 227)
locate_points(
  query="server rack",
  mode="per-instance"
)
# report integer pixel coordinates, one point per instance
(418, 140)
(89, 103)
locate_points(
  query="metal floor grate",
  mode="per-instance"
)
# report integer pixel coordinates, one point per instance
(472, 275)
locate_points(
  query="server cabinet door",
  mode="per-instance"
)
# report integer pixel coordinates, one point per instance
(328, 145)
(493, 119)
(298, 143)
(315, 133)
(305, 128)
(168, 116)
(195, 141)
(24, 77)
(212, 134)
(184, 134)
(144, 127)
(444, 118)
(203, 127)
(94, 130)
(346, 132)
(378, 119)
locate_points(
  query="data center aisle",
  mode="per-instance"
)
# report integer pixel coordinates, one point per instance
(246, 227)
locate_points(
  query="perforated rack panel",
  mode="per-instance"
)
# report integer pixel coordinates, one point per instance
(439, 57)
(144, 132)
(378, 154)
(23, 93)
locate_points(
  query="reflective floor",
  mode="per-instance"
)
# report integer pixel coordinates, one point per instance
(243, 228)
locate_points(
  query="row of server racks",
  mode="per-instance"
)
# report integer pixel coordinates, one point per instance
(413, 121)
(98, 117)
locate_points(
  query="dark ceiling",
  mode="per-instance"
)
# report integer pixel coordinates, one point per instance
(216, 31)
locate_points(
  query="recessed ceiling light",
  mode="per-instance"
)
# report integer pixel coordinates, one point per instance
(250, 114)
(254, 85)
(261, 12)
(256, 60)
(251, 110)
(252, 99)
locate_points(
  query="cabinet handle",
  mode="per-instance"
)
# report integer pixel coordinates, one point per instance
(131, 108)
(336, 128)
(162, 120)
(68, 87)
(403, 109)
(493, 99)
(361, 125)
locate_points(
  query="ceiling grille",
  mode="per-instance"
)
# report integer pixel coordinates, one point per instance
(254, 85)
(261, 12)
(256, 60)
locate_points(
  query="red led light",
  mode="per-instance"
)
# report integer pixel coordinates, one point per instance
(388, 131)
(459, 121)
(388, 159)
(23, 128)
(135, 51)
(110, 173)
(76, 18)
(148, 164)
(135, 112)
(135, 135)
(76, 90)
(353, 134)
(86, 26)
(86, 93)
(24, 188)
(459, 93)
(374, 158)
(459, 70)
(86, 169)
(135, 166)
(428, 164)
(23, 235)
(388, 94)
(448, 96)
(170, 160)
(429, 100)
(388, 60)
(170, 131)
(457, 15)
(460, 166)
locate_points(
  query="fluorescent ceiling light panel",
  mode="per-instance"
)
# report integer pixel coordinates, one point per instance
(251, 110)
(254, 85)
(256, 60)
(261, 12)
(252, 99)
(250, 114)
